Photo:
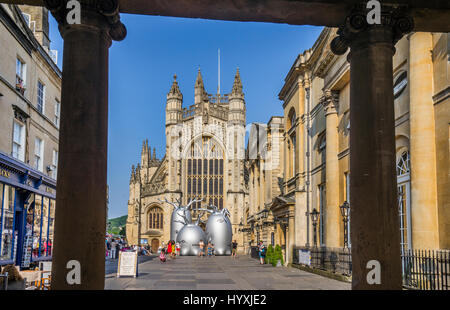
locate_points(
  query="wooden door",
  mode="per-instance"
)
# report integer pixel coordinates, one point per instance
(155, 245)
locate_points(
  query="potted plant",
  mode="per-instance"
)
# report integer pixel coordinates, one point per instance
(269, 254)
(15, 281)
(277, 260)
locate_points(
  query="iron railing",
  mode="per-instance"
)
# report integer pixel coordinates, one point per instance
(421, 269)
(337, 260)
(426, 269)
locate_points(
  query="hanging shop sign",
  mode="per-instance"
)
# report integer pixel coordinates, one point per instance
(127, 264)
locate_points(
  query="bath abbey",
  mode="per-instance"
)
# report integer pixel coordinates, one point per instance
(204, 159)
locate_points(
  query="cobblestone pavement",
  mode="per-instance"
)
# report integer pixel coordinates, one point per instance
(216, 273)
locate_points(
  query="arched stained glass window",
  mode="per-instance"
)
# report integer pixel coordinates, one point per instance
(155, 218)
(205, 169)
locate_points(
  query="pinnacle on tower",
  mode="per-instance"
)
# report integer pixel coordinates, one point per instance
(237, 85)
(145, 154)
(199, 89)
(143, 147)
(175, 90)
(154, 153)
(132, 174)
(199, 80)
(138, 173)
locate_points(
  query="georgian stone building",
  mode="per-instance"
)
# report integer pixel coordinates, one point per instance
(204, 158)
(316, 102)
(30, 103)
(264, 159)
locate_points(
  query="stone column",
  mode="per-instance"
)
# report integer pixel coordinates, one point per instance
(300, 130)
(81, 189)
(425, 228)
(332, 213)
(375, 235)
(291, 235)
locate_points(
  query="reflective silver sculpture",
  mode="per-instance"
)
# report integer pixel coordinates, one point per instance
(181, 215)
(189, 238)
(219, 231)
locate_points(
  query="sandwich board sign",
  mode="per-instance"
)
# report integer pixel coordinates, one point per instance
(304, 257)
(127, 264)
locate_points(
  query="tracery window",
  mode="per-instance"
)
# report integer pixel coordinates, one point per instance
(205, 173)
(155, 218)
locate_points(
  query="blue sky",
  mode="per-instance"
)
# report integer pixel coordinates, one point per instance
(142, 67)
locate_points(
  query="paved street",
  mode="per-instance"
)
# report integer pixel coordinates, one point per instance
(216, 273)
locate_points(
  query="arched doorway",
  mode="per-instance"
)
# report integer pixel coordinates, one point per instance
(155, 245)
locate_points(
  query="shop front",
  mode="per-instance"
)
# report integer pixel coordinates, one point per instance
(27, 214)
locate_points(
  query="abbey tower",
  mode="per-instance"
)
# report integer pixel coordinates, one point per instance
(204, 157)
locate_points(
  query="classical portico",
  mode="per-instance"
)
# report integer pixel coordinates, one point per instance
(81, 200)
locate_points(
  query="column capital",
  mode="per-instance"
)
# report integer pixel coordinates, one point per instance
(330, 101)
(306, 82)
(94, 14)
(357, 33)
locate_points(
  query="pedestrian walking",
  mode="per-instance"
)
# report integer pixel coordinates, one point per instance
(169, 248)
(173, 249)
(262, 252)
(233, 249)
(108, 248)
(209, 249)
(201, 245)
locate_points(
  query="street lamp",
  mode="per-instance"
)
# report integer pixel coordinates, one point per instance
(315, 217)
(345, 211)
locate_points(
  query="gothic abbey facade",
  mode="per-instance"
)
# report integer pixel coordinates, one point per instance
(204, 158)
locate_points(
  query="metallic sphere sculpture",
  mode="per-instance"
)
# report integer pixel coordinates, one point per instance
(219, 231)
(181, 215)
(189, 238)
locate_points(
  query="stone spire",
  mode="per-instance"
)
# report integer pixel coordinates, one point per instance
(138, 173)
(145, 154)
(199, 89)
(133, 176)
(237, 85)
(237, 102)
(154, 154)
(175, 90)
(199, 80)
